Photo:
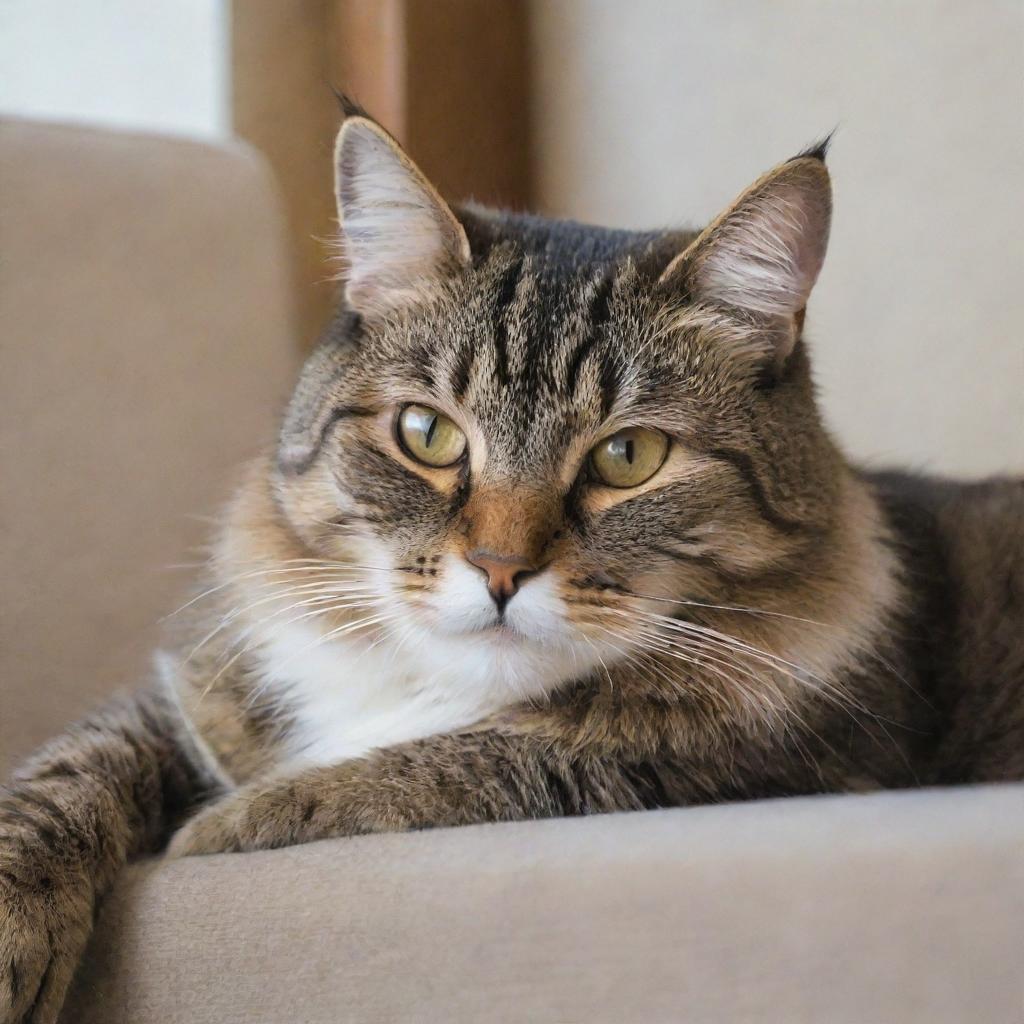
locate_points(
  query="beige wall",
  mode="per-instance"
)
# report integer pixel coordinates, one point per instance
(657, 112)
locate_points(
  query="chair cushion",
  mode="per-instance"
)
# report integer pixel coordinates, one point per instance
(891, 907)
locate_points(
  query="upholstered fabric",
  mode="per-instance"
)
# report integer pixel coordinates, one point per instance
(882, 909)
(146, 349)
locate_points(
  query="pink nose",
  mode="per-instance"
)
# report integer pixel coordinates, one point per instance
(505, 573)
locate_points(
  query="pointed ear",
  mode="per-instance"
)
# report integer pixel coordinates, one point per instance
(398, 237)
(764, 253)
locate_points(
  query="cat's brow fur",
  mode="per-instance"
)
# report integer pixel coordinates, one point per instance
(758, 619)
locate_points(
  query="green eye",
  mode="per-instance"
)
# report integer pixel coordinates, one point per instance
(629, 457)
(429, 436)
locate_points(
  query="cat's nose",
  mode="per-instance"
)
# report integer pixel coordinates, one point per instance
(505, 573)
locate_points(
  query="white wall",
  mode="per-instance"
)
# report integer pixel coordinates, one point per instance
(160, 66)
(659, 111)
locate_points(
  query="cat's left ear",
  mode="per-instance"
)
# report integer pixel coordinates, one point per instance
(763, 254)
(399, 238)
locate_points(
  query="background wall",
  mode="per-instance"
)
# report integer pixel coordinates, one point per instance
(658, 112)
(153, 66)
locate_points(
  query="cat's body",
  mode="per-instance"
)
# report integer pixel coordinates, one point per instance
(962, 552)
(553, 528)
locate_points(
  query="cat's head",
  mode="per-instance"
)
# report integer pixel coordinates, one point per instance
(530, 439)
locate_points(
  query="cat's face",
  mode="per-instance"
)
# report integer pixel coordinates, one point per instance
(525, 462)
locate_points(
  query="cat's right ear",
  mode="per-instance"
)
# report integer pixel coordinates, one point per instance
(399, 239)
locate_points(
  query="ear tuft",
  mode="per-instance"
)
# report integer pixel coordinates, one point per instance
(349, 107)
(399, 239)
(817, 150)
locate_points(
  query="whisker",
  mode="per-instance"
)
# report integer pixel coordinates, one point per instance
(252, 645)
(353, 600)
(601, 661)
(312, 567)
(701, 659)
(735, 608)
(804, 677)
(727, 643)
(368, 620)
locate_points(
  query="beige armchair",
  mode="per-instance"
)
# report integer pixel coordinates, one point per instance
(147, 347)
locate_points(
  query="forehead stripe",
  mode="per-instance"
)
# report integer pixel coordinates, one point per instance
(462, 370)
(506, 293)
(598, 313)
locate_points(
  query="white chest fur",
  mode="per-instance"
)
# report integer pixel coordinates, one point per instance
(347, 696)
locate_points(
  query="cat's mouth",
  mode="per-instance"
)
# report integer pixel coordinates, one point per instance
(460, 608)
(500, 630)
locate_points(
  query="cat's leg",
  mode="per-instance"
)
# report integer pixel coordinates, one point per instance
(441, 781)
(109, 788)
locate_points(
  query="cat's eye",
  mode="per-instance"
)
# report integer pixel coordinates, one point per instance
(629, 457)
(429, 436)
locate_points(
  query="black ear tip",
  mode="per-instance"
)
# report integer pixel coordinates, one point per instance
(349, 107)
(817, 150)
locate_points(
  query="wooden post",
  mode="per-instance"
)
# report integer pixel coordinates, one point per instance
(450, 78)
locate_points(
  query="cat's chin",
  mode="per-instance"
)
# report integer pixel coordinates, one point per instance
(504, 633)
(500, 663)
(502, 638)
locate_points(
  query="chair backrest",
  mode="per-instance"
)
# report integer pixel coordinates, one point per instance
(146, 348)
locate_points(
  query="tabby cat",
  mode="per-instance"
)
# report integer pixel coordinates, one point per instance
(553, 528)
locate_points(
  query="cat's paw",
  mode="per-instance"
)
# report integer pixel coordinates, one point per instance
(244, 821)
(215, 829)
(282, 814)
(39, 949)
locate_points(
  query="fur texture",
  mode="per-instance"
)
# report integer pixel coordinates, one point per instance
(758, 618)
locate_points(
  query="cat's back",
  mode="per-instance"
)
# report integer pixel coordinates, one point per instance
(963, 547)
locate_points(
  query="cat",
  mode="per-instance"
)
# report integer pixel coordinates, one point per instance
(553, 527)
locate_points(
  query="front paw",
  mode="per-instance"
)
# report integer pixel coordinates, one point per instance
(249, 819)
(215, 829)
(42, 935)
(319, 805)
